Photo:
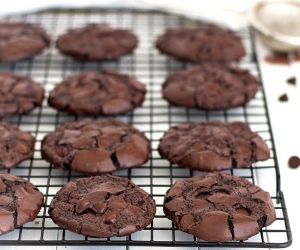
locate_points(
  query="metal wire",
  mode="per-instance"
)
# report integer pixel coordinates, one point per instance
(154, 117)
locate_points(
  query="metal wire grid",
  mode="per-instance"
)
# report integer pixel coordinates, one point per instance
(154, 117)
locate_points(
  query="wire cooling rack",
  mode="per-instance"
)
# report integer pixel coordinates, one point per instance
(154, 117)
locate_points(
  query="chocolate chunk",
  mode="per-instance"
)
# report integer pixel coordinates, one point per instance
(97, 42)
(210, 86)
(98, 93)
(93, 147)
(208, 43)
(20, 202)
(292, 80)
(283, 98)
(213, 146)
(18, 94)
(294, 162)
(21, 40)
(102, 206)
(15, 145)
(219, 207)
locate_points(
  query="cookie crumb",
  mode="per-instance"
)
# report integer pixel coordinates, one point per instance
(294, 162)
(283, 98)
(291, 80)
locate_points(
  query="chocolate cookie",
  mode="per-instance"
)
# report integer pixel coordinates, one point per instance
(197, 44)
(213, 146)
(15, 145)
(97, 42)
(98, 93)
(20, 202)
(21, 40)
(210, 86)
(18, 94)
(94, 147)
(102, 206)
(219, 207)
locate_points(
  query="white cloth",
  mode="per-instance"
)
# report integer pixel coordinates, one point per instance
(229, 13)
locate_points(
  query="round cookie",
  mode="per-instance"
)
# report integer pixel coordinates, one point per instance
(210, 86)
(219, 207)
(21, 40)
(15, 145)
(102, 206)
(20, 202)
(95, 147)
(213, 146)
(98, 93)
(97, 42)
(18, 94)
(197, 44)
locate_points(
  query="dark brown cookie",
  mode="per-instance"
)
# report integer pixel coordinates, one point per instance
(219, 207)
(97, 42)
(102, 206)
(98, 93)
(18, 94)
(15, 145)
(197, 44)
(213, 146)
(210, 86)
(21, 40)
(94, 147)
(20, 202)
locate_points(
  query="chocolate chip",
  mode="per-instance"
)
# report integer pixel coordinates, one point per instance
(283, 98)
(294, 162)
(292, 80)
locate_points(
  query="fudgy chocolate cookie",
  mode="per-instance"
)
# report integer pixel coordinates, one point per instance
(102, 206)
(20, 202)
(219, 207)
(18, 94)
(197, 44)
(213, 146)
(98, 93)
(210, 86)
(15, 145)
(94, 147)
(21, 40)
(97, 42)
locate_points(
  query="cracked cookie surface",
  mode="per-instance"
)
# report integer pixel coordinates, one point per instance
(210, 86)
(20, 202)
(219, 207)
(213, 146)
(21, 40)
(98, 93)
(15, 145)
(97, 42)
(102, 206)
(208, 43)
(93, 147)
(18, 94)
